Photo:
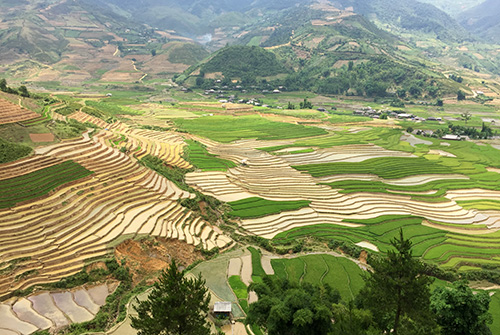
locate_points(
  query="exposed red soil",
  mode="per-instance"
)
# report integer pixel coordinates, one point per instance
(145, 258)
(363, 256)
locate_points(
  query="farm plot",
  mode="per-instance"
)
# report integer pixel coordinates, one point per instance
(11, 113)
(338, 272)
(434, 244)
(346, 153)
(387, 168)
(48, 239)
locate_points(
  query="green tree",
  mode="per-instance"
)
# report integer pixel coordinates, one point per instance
(176, 306)
(350, 320)
(466, 116)
(397, 291)
(23, 91)
(460, 95)
(286, 308)
(461, 312)
(3, 85)
(306, 104)
(290, 105)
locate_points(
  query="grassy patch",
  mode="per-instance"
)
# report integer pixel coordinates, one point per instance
(36, 184)
(10, 152)
(226, 129)
(258, 207)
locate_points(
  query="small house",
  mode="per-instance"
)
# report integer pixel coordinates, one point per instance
(223, 309)
(451, 137)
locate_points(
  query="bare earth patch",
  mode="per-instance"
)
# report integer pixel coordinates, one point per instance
(39, 138)
(246, 269)
(234, 268)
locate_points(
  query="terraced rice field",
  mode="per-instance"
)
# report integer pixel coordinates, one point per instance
(11, 113)
(139, 143)
(272, 178)
(52, 237)
(45, 310)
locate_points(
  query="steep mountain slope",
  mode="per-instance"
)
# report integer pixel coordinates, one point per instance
(483, 20)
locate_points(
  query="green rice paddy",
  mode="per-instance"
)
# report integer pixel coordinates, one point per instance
(226, 129)
(386, 167)
(258, 207)
(200, 158)
(38, 183)
(338, 272)
(380, 232)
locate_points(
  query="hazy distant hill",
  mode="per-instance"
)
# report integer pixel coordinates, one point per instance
(410, 15)
(484, 20)
(453, 7)
(197, 17)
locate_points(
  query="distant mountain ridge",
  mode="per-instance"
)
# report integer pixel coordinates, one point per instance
(483, 20)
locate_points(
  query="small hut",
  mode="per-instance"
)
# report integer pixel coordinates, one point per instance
(223, 309)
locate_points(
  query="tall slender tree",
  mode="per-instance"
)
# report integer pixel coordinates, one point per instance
(397, 291)
(176, 306)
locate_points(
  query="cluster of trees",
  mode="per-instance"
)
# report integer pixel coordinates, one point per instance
(21, 90)
(396, 299)
(474, 133)
(375, 77)
(10, 152)
(456, 78)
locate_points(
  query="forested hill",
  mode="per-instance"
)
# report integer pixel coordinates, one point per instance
(483, 20)
(244, 61)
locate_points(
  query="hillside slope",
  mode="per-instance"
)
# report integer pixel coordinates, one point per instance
(69, 42)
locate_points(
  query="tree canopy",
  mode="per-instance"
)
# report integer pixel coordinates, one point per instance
(459, 310)
(286, 308)
(176, 306)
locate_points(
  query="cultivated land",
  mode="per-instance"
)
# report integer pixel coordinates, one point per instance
(295, 178)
